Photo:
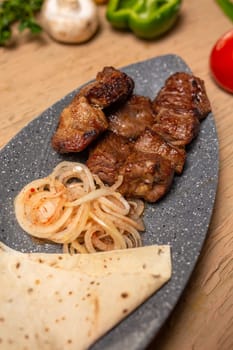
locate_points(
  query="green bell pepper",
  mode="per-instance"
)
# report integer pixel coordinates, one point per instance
(146, 18)
(227, 7)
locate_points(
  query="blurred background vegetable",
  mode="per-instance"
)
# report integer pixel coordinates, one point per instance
(227, 7)
(221, 56)
(147, 19)
(70, 21)
(221, 61)
(21, 11)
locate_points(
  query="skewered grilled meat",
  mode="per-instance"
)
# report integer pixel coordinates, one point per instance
(83, 120)
(145, 140)
(156, 138)
(179, 106)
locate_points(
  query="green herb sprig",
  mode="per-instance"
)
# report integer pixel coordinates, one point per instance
(21, 11)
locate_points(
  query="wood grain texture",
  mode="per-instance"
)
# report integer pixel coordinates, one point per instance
(34, 73)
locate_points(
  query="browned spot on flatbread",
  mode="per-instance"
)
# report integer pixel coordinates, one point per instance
(30, 290)
(125, 311)
(160, 251)
(96, 310)
(69, 341)
(46, 329)
(26, 336)
(37, 282)
(124, 295)
(96, 307)
(144, 266)
(2, 319)
(17, 265)
(156, 276)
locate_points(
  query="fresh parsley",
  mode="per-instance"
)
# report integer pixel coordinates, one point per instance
(20, 11)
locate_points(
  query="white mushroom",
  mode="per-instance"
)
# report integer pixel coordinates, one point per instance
(70, 21)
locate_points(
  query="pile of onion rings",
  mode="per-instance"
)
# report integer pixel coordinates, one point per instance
(75, 208)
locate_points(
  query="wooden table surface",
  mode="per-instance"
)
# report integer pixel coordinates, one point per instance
(36, 73)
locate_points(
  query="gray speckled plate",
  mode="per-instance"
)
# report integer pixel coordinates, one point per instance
(180, 219)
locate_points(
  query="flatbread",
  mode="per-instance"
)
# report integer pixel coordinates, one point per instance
(58, 301)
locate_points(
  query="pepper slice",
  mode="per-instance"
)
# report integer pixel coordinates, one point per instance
(146, 18)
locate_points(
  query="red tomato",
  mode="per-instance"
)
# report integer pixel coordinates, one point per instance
(221, 61)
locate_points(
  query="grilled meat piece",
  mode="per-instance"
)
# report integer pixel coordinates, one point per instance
(80, 124)
(146, 175)
(131, 118)
(83, 120)
(184, 93)
(111, 86)
(151, 142)
(108, 156)
(179, 106)
(178, 129)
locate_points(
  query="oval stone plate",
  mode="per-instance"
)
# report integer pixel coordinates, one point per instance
(180, 219)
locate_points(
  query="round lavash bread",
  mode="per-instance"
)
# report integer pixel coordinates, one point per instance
(59, 301)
